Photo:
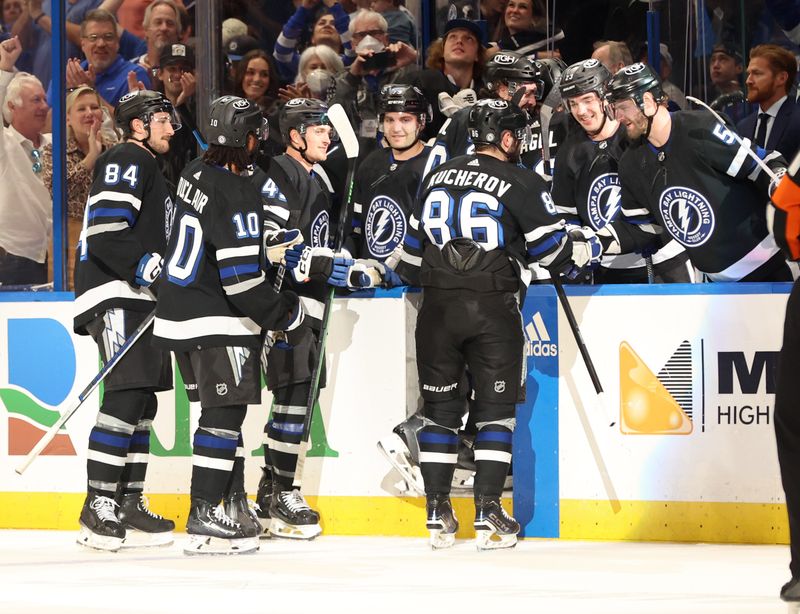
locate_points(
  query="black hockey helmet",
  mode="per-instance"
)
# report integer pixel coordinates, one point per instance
(548, 73)
(583, 78)
(509, 67)
(300, 113)
(231, 119)
(142, 104)
(632, 82)
(404, 99)
(489, 118)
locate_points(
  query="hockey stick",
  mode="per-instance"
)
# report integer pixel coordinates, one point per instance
(341, 123)
(587, 359)
(62, 420)
(743, 142)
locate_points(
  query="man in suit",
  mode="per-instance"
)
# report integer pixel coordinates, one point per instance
(775, 125)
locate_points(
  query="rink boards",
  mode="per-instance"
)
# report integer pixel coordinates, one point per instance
(687, 373)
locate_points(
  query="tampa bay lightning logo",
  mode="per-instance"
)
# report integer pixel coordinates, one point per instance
(320, 230)
(385, 227)
(605, 196)
(687, 214)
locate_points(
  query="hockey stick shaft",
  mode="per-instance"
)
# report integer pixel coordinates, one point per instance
(576, 332)
(341, 123)
(648, 265)
(62, 420)
(739, 139)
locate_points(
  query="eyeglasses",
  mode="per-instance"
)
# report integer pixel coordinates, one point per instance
(108, 37)
(357, 36)
(37, 161)
(81, 87)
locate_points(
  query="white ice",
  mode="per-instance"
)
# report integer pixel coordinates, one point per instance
(45, 571)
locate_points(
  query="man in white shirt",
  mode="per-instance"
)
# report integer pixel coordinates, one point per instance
(26, 209)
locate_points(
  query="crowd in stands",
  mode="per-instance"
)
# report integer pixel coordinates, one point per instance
(335, 50)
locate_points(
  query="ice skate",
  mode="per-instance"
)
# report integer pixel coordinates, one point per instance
(238, 507)
(790, 593)
(263, 499)
(143, 528)
(402, 451)
(100, 527)
(494, 528)
(291, 517)
(442, 522)
(212, 531)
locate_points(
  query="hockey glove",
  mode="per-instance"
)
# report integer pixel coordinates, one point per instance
(148, 269)
(347, 273)
(388, 278)
(586, 247)
(304, 261)
(276, 243)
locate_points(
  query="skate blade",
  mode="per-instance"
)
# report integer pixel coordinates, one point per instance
(439, 540)
(487, 539)
(265, 524)
(98, 542)
(205, 545)
(278, 528)
(393, 448)
(141, 539)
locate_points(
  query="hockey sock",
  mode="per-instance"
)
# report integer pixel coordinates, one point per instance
(438, 454)
(110, 439)
(236, 480)
(214, 450)
(492, 456)
(285, 432)
(133, 475)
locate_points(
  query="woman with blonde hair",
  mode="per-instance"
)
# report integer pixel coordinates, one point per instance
(316, 71)
(87, 138)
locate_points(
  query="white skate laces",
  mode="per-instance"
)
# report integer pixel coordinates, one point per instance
(294, 501)
(220, 516)
(104, 508)
(144, 507)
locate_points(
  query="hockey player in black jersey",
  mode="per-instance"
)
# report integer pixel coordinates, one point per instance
(687, 175)
(507, 75)
(119, 262)
(586, 187)
(295, 197)
(214, 303)
(480, 222)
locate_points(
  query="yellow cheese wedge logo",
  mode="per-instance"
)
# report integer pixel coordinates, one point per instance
(647, 405)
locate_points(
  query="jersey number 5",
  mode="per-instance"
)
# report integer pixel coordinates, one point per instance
(474, 216)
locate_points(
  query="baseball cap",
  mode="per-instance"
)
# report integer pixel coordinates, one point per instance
(730, 50)
(465, 24)
(239, 46)
(177, 53)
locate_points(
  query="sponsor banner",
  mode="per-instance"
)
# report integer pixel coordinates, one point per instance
(690, 380)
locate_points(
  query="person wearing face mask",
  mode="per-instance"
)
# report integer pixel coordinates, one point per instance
(129, 214)
(316, 71)
(474, 274)
(378, 62)
(330, 27)
(87, 138)
(586, 185)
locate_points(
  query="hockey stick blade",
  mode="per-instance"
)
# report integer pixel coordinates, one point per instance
(343, 127)
(62, 420)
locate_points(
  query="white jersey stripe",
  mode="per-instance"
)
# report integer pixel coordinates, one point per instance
(117, 197)
(244, 286)
(116, 289)
(238, 252)
(228, 326)
(111, 227)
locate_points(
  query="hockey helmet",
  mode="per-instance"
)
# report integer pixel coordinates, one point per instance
(300, 113)
(548, 74)
(404, 99)
(489, 118)
(143, 104)
(508, 67)
(231, 119)
(632, 82)
(583, 78)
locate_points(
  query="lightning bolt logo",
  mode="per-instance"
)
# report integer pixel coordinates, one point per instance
(381, 222)
(683, 215)
(613, 202)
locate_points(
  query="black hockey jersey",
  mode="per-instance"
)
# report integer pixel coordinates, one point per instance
(125, 215)
(704, 190)
(294, 199)
(453, 140)
(498, 205)
(214, 292)
(587, 191)
(383, 201)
